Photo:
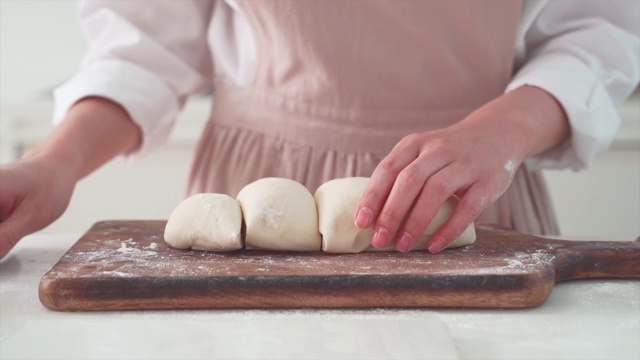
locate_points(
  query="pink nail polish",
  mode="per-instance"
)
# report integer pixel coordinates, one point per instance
(405, 242)
(380, 238)
(363, 218)
(437, 244)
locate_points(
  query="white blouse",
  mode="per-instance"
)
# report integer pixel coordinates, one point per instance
(585, 53)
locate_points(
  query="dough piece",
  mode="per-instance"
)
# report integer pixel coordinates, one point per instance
(279, 214)
(467, 237)
(210, 222)
(337, 200)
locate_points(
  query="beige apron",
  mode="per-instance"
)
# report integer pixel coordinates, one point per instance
(338, 83)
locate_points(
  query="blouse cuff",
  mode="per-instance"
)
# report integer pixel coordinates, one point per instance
(592, 116)
(147, 99)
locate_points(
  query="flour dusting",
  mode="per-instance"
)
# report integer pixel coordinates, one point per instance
(271, 216)
(149, 257)
(510, 166)
(130, 250)
(528, 261)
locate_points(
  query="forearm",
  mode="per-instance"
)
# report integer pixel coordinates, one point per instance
(541, 115)
(94, 131)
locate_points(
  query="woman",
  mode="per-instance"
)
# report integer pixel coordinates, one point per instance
(429, 98)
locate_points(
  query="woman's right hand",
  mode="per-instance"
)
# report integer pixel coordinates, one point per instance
(34, 192)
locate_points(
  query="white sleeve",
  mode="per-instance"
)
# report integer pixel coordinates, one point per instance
(587, 55)
(147, 56)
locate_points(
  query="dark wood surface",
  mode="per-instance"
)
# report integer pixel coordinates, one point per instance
(121, 265)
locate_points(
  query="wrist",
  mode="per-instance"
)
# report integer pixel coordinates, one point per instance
(94, 131)
(54, 160)
(537, 117)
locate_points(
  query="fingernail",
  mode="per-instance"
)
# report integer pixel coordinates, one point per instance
(405, 242)
(380, 238)
(437, 244)
(363, 218)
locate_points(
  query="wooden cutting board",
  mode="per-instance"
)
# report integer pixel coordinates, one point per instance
(121, 265)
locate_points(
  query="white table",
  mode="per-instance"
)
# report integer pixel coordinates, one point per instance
(586, 319)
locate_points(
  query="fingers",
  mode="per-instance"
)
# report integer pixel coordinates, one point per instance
(474, 202)
(32, 195)
(12, 229)
(423, 171)
(437, 190)
(382, 181)
(420, 190)
(394, 187)
(409, 185)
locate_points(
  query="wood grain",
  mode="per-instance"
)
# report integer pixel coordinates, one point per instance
(121, 265)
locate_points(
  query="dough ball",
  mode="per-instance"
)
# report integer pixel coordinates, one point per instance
(210, 222)
(467, 237)
(337, 200)
(279, 214)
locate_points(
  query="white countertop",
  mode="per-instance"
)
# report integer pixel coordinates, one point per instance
(586, 319)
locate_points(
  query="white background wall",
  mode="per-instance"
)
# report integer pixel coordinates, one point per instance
(41, 46)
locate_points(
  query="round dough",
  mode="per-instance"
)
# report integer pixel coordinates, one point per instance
(211, 222)
(337, 200)
(467, 237)
(279, 214)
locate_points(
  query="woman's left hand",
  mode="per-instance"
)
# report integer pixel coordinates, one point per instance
(474, 159)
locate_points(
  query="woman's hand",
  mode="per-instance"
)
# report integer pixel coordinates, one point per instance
(474, 159)
(36, 190)
(33, 194)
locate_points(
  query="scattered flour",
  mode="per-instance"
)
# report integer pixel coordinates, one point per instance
(529, 261)
(510, 166)
(271, 216)
(118, 273)
(128, 250)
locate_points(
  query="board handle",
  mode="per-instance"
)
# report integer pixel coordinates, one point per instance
(598, 259)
